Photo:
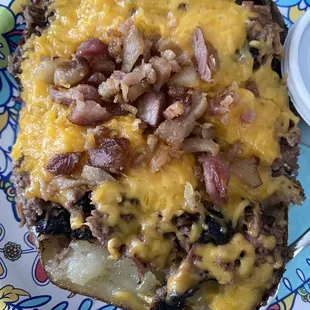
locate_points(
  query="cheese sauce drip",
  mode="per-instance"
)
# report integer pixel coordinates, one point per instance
(45, 131)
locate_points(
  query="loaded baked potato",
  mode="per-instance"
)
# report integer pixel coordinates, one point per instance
(157, 154)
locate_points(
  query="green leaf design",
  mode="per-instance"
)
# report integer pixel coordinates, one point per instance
(6, 24)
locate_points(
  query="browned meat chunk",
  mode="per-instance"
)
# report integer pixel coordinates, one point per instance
(64, 163)
(111, 156)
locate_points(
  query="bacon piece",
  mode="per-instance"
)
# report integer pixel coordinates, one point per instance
(88, 113)
(206, 56)
(81, 92)
(65, 163)
(96, 79)
(248, 116)
(216, 176)
(150, 107)
(91, 47)
(174, 110)
(111, 156)
(163, 70)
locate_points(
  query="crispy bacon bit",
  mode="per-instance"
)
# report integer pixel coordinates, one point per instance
(176, 91)
(248, 116)
(216, 176)
(194, 145)
(206, 56)
(252, 87)
(187, 77)
(91, 47)
(163, 70)
(135, 91)
(116, 49)
(173, 132)
(247, 170)
(133, 48)
(96, 79)
(102, 63)
(223, 99)
(111, 156)
(64, 163)
(150, 107)
(71, 72)
(82, 92)
(88, 113)
(111, 86)
(174, 110)
(160, 158)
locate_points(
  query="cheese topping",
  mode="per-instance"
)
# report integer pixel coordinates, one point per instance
(46, 131)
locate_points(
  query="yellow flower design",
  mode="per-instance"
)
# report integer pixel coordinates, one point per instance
(9, 294)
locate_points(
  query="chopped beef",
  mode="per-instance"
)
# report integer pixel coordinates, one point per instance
(150, 108)
(64, 163)
(216, 177)
(32, 208)
(206, 56)
(97, 223)
(247, 170)
(133, 47)
(111, 156)
(82, 92)
(20, 180)
(71, 72)
(88, 113)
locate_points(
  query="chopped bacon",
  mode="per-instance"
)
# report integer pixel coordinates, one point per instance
(88, 113)
(64, 163)
(133, 47)
(163, 70)
(91, 47)
(194, 145)
(248, 116)
(206, 56)
(247, 170)
(174, 110)
(96, 79)
(111, 86)
(111, 156)
(136, 91)
(216, 176)
(116, 49)
(72, 72)
(81, 92)
(150, 107)
(160, 158)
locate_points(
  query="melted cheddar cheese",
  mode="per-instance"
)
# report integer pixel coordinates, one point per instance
(46, 131)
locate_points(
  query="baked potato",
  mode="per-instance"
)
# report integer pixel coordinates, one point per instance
(157, 154)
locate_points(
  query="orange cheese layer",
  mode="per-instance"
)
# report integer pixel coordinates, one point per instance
(45, 130)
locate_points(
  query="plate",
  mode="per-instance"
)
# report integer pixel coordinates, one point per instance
(23, 283)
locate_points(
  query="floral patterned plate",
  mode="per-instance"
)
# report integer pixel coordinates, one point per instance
(23, 283)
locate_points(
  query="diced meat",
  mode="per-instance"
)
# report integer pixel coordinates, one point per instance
(82, 92)
(135, 91)
(133, 48)
(97, 223)
(206, 56)
(173, 132)
(195, 145)
(95, 176)
(220, 104)
(163, 70)
(116, 49)
(174, 110)
(247, 170)
(184, 59)
(111, 156)
(216, 177)
(88, 113)
(64, 163)
(111, 86)
(176, 91)
(72, 72)
(252, 87)
(150, 108)
(134, 77)
(160, 158)
(96, 79)
(91, 47)
(248, 116)
(187, 77)
(102, 63)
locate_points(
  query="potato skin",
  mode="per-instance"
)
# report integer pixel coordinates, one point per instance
(47, 247)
